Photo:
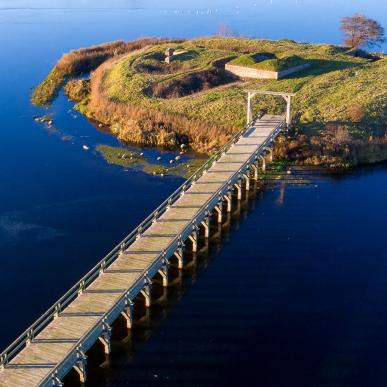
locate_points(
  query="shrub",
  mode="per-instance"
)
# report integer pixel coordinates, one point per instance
(77, 89)
(356, 112)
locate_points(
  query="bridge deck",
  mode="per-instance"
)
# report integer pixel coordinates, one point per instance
(53, 349)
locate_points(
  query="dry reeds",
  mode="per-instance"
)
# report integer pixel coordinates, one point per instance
(83, 61)
(134, 123)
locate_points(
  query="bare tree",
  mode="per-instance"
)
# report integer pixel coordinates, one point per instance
(361, 31)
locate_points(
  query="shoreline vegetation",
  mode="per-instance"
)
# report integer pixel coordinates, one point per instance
(125, 158)
(339, 112)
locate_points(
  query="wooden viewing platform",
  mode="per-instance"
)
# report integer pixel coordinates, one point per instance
(58, 340)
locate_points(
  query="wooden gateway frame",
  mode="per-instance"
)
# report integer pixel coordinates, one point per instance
(286, 96)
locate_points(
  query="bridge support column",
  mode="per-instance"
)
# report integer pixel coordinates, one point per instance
(247, 178)
(194, 239)
(164, 274)
(218, 209)
(206, 225)
(239, 190)
(147, 293)
(127, 313)
(263, 163)
(180, 257)
(255, 171)
(229, 203)
(80, 365)
(105, 337)
(270, 154)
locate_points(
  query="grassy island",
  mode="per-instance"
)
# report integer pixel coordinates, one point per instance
(124, 158)
(339, 111)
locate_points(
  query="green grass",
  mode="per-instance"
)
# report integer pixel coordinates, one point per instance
(183, 169)
(47, 90)
(45, 118)
(258, 61)
(124, 158)
(325, 91)
(119, 156)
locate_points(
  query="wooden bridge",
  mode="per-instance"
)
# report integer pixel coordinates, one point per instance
(57, 342)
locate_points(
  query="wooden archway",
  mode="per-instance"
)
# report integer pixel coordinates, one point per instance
(286, 96)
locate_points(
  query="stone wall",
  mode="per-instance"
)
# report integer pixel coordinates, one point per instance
(249, 72)
(292, 70)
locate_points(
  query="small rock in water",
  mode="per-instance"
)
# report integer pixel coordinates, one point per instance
(50, 122)
(177, 158)
(85, 147)
(170, 161)
(142, 154)
(162, 174)
(158, 158)
(100, 125)
(181, 152)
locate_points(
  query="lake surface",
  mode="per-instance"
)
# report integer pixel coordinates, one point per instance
(308, 262)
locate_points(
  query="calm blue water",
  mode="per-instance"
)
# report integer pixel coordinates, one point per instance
(309, 298)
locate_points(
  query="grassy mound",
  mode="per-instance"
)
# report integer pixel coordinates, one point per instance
(83, 61)
(340, 102)
(127, 159)
(264, 61)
